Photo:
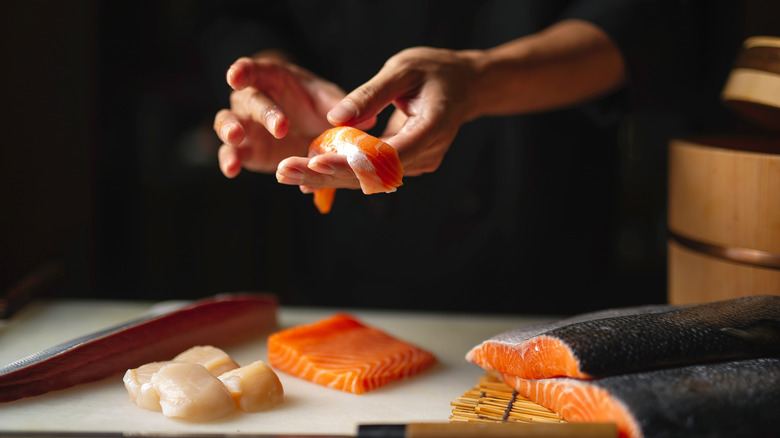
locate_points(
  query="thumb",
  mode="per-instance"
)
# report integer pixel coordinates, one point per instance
(368, 100)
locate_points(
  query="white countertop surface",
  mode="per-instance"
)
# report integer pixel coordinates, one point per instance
(104, 406)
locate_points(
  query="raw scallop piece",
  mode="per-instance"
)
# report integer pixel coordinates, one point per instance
(375, 163)
(190, 392)
(342, 353)
(214, 359)
(138, 382)
(738, 398)
(636, 339)
(254, 387)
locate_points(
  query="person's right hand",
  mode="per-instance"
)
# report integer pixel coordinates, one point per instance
(433, 93)
(276, 110)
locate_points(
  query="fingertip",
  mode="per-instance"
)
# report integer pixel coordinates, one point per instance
(277, 124)
(232, 133)
(231, 168)
(318, 166)
(229, 164)
(331, 165)
(288, 173)
(236, 75)
(231, 77)
(368, 100)
(342, 113)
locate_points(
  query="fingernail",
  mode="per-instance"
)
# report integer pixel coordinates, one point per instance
(228, 168)
(225, 131)
(322, 168)
(343, 112)
(235, 79)
(220, 133)
(289, 175)
(271, 121)
(230, 76)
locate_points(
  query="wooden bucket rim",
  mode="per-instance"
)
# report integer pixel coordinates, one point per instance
(752, 144)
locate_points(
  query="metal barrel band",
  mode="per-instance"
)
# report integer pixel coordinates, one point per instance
(760, 58)
(747, 256)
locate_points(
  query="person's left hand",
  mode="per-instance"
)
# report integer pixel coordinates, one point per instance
(276, 110)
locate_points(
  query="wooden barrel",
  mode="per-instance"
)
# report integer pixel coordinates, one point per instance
(724, 219)
(753, 86)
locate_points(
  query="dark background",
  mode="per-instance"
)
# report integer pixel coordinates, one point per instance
(109, 162)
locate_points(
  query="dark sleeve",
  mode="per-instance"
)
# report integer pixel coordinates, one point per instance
(664, 43)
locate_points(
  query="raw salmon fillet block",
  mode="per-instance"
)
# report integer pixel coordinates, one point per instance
(342, 353)
(619, 341)
(734, 398)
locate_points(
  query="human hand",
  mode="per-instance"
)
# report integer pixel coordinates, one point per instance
(430, 89)
(276, 109)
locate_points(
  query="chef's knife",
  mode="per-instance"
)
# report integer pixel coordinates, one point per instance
(218, 321)
(414, 430)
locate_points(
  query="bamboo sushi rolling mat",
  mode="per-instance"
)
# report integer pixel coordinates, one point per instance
(491, 401)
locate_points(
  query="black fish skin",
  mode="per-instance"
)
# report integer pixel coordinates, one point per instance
(764, 332)
(733, 399)
(719, 331)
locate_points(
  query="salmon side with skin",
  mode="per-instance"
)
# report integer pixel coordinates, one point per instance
(635, 339)
(341, 352)
(375, 163)
(733, 398)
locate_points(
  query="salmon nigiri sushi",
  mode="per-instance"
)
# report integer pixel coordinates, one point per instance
(375, 163)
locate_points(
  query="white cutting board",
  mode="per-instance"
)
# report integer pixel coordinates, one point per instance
(307, 409)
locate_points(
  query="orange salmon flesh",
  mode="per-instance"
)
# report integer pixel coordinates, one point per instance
(709, 369)
(342, 353)
(375, 163)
